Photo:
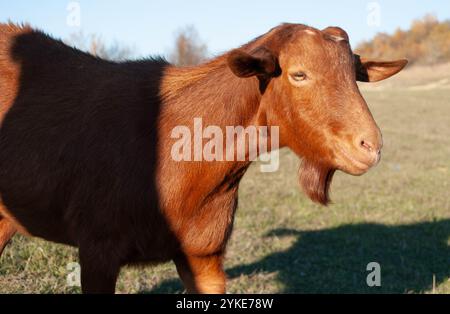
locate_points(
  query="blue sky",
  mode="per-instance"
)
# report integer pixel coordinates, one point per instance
(150, 25)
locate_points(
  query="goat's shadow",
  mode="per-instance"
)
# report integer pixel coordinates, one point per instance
(335, 260)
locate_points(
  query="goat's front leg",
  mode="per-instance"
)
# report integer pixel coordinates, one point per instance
(202, 274)
(99, 270)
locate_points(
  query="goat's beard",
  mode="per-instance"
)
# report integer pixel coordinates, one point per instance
(315, 180)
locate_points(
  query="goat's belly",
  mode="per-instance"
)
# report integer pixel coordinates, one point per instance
(30, 193)
(30, 222)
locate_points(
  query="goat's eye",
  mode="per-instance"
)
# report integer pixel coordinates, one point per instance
(298, 76)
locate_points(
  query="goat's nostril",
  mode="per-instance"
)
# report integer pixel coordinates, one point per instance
(366, 145)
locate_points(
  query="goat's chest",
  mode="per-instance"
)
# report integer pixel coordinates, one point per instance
(205, 229)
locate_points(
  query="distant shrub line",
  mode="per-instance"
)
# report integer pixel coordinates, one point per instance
(426, 42)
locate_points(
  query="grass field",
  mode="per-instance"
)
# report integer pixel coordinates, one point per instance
(397, 215)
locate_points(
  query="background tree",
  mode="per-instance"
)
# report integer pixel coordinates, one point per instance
(188, 48)
(426, 42)
(97, 47)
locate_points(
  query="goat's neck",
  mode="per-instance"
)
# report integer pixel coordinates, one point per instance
(214, 94)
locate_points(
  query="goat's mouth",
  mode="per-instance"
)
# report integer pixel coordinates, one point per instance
(351, 164)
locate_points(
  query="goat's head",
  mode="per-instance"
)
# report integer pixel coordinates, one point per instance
(308, 83)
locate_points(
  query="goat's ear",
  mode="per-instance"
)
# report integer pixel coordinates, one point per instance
(374, 71)
(260, 62)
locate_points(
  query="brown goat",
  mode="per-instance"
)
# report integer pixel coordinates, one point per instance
(85, 144)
